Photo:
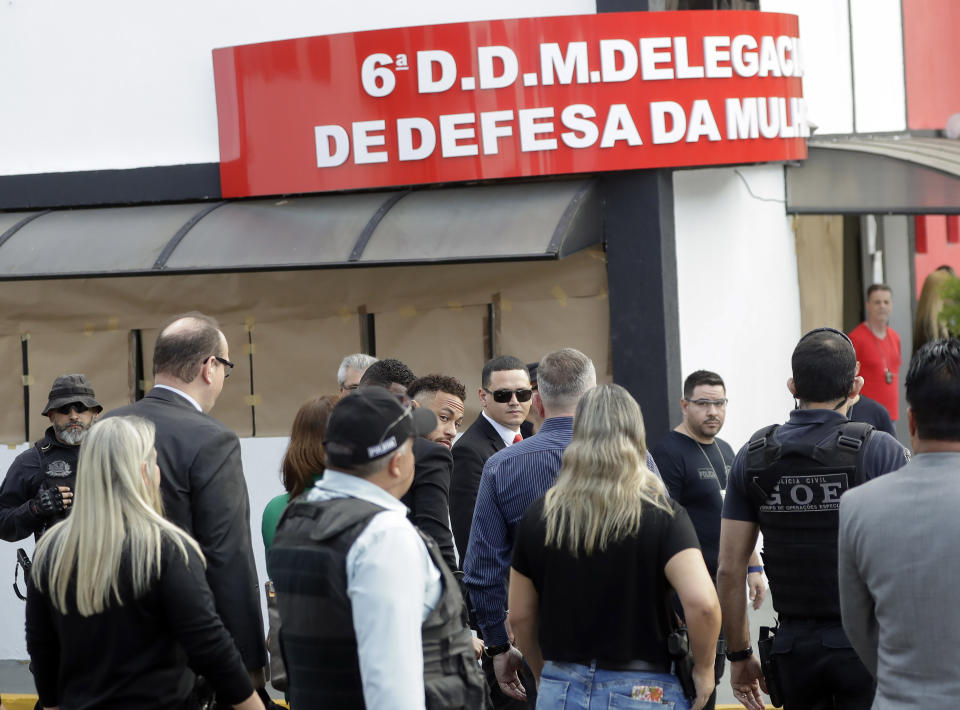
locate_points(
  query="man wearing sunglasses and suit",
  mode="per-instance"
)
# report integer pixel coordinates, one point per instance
(505, 398)
(38, 489)
(513, 479)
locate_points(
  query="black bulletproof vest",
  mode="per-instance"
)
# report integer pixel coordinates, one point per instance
(308, 562)
(797, 487)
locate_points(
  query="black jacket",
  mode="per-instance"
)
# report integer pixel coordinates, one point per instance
(205, 493)
(135, 655)
(48, 462)
(429, 497)
(478, 443)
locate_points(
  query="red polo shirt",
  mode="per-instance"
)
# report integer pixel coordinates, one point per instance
(877, 356)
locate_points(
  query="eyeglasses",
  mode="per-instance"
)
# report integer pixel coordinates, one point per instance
(227, 365)
(706, 403)
(351, 388)
(504, 396)
(67, 408)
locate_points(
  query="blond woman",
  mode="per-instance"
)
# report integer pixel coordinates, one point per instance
(119, 604)
(592, 563)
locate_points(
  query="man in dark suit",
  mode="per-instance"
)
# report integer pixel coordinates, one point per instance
(505, 395)
(202, 482)
(429, 497)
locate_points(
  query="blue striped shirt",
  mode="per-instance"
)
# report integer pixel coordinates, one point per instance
(512, 479)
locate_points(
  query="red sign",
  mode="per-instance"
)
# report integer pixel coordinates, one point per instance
(509, 98)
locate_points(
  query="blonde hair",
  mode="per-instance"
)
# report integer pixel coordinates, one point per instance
(928, 325)
(117, 515)
(604, 484)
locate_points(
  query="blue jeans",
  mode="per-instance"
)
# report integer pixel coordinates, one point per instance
(573, 686)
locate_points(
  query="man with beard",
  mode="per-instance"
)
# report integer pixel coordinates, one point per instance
(445, 397)
(694, 463)
(38, 489)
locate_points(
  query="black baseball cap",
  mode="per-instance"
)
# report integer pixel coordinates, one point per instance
(372, 423)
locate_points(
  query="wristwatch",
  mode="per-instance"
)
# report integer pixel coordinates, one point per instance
(492, 651)
(743, 655)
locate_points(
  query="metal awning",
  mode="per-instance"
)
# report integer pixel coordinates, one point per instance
(542, 220)
(876, 175)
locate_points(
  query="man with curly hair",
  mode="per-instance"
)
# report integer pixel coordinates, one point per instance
(444, 396)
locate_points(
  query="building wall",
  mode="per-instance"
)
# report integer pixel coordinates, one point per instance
(853, 62)
(936, 243)
(115, 84)
(933, 75)
(737, 288)
(878, 78)
(103, 90)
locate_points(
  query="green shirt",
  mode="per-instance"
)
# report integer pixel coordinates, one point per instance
(271, 518)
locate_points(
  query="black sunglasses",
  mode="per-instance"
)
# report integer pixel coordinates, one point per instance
(66, 409)
(227, 365)
(504, 396)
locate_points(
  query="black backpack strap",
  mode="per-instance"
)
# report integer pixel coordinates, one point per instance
(763, 450)
(854, 436)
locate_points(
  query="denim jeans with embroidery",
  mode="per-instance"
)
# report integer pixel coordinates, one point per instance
(569, 686)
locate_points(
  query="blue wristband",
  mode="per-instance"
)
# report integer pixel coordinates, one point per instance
(755, 568)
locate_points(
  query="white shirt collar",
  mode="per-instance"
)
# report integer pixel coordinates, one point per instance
(183, 394)
(508, 435)
(353, 487)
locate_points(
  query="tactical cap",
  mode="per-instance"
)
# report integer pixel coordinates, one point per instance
(372, 423)
(71, 389)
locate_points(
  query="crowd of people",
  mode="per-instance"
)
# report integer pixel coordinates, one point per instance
(545, 556)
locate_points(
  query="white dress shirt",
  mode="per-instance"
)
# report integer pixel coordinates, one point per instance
(183, 394)
(508, 435)
(393, 586)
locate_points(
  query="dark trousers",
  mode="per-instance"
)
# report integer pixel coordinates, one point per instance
(503, 701)
(818, 668)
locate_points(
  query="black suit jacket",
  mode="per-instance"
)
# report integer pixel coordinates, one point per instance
(205, 493)
(478, 443)
(429, 497)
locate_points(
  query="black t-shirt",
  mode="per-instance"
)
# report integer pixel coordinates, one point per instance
(695, 474)
(608, 606)
(871, 411)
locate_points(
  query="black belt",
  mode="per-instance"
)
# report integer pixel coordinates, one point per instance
(636, 665)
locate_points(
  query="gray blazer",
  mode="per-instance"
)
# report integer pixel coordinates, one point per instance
(899, 576)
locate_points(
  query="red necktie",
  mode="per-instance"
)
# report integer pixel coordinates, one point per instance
(517, 438)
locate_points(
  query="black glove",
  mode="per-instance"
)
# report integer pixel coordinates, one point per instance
(47, 503)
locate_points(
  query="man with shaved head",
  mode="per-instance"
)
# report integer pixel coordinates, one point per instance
(201, 475)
